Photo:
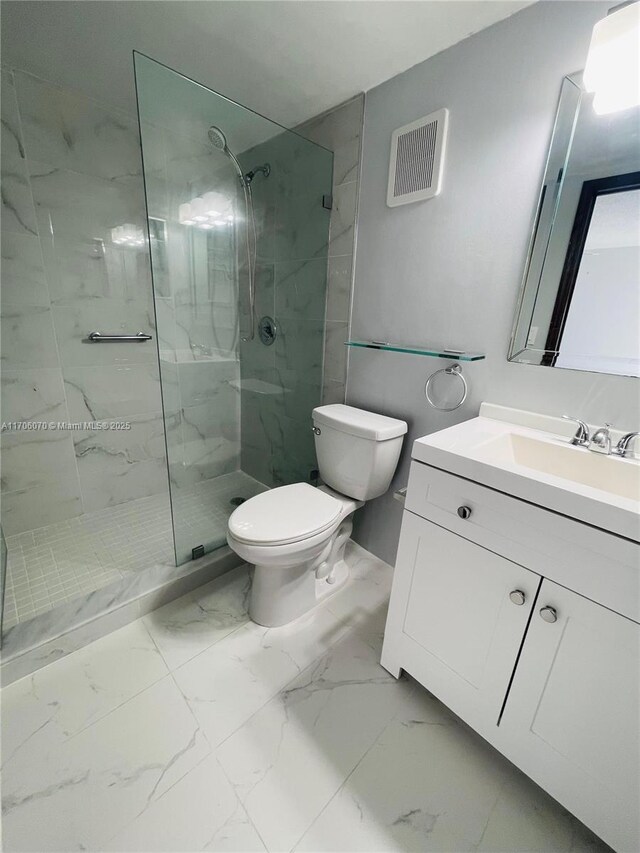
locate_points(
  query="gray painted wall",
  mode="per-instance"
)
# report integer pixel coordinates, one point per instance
(449, 269)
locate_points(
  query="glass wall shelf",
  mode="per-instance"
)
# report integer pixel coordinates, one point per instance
(415, 349)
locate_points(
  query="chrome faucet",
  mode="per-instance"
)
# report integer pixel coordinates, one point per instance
(601, 440)
(623, 445)
(581, 437)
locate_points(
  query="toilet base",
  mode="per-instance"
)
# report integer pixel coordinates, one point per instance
(280, 594)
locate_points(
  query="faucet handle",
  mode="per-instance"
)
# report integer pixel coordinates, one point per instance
(601, 440)
(623, 445)
(581, 437)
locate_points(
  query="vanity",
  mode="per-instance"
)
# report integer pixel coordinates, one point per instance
(516, 602)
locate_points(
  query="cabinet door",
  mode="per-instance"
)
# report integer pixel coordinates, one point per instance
(572, 717)
(452, 623)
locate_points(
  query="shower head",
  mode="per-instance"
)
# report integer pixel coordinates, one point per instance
(217, 138)
(219, 141)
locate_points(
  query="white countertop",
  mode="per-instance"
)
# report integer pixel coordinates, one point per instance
(489, 450)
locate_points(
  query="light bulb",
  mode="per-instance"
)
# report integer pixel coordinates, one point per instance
(212, 203)
(184, 214)
(612, 70)
(216, 203)
(198, 210)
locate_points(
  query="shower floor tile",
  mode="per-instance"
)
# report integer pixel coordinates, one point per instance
(57, 563)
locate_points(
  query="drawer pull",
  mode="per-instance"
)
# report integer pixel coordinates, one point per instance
(464, 511)
(517, 596)
(549, 614)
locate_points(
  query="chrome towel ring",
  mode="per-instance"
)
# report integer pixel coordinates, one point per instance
(453, 370)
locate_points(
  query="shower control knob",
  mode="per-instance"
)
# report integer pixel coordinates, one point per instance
(464, 512)
(549, 614)
(517, 596)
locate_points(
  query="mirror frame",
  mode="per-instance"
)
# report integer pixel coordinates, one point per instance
(555, 170)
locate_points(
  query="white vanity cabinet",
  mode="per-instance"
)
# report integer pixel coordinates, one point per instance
(572, 716)
(463, 630)
(525, 623)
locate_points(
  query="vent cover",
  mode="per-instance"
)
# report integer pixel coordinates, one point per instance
(417, 157)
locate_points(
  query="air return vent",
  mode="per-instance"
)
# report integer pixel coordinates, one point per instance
(417, 157)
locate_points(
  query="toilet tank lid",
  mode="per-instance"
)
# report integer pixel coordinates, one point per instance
(358, 422)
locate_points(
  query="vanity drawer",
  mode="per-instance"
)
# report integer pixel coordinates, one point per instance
(593, 562)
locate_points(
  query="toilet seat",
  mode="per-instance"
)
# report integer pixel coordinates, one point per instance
(284, 515)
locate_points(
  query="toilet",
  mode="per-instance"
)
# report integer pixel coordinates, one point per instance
(295, 535)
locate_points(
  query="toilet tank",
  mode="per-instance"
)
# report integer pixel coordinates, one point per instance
(357, 451)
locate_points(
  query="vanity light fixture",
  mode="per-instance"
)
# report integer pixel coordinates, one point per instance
(612, 71)
(127, 235)
(211, 210)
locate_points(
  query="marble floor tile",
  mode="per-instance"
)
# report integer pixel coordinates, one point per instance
(428, 784)
(200, 812)
(431, 784)
(60, 700)
(185, 627)
(291, 757)
(82, 792)
(526, 818)
(229, 682)
(270, 739)
(364, 599)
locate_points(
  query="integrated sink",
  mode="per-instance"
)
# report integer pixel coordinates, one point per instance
(529, 456)
(612, 474)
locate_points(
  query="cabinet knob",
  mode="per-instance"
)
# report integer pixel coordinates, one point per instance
(549, 614)
(464, 511)
(517, 596)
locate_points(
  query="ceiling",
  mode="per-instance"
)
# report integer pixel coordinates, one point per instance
(288, 59)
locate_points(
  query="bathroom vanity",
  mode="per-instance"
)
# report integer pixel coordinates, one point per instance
(516, 601)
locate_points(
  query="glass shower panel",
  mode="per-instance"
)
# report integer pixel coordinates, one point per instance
(237, 406)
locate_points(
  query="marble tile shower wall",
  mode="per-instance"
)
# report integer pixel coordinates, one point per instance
(196, 295)
(340, 130)
(71, 171)
(305, 284)
(282, 382)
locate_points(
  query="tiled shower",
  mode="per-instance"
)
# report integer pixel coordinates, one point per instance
(87, 510)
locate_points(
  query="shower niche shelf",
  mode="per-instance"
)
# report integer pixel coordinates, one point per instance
(416, 349)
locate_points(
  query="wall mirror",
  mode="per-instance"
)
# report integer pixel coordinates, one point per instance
(580, 301)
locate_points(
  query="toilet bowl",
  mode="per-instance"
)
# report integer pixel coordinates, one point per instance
(295, 535)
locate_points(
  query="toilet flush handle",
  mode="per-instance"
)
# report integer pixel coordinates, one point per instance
(316, 430)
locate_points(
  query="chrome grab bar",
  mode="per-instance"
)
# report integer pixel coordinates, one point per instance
(99, 338)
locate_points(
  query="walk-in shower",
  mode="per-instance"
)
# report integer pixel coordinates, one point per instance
(155, 439)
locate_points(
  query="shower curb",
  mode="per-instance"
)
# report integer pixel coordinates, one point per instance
(31, 645)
